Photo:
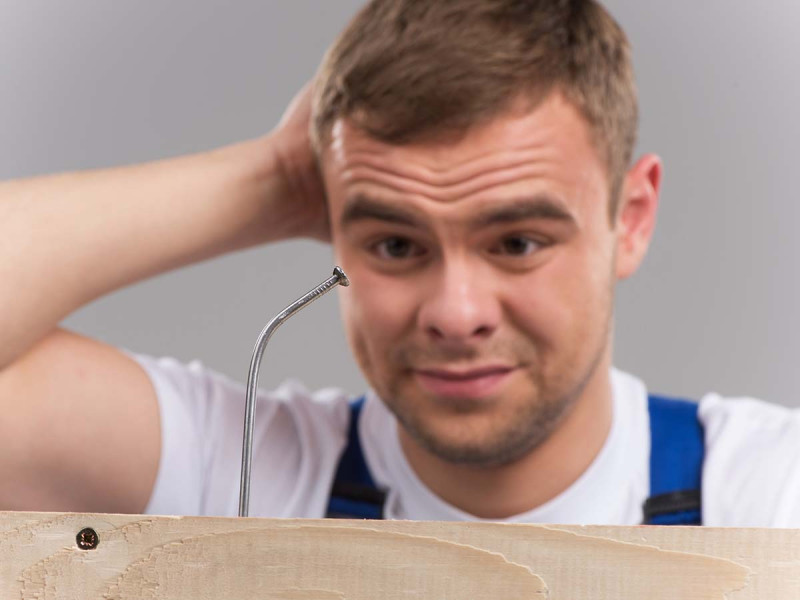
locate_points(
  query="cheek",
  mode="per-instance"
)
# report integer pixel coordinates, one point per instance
(378, 312)
(565, 300)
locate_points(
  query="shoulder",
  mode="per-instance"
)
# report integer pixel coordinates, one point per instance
(206, 393)
(752, 471)
(297, 434)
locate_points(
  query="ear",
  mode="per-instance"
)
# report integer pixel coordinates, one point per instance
(636, 214)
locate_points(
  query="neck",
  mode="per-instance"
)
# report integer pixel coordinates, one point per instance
(537, 477)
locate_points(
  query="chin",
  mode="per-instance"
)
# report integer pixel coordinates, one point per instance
(478, 433)
(491, 451)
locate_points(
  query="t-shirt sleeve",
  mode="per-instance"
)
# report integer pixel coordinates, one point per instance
(298, 438)
(751, 475)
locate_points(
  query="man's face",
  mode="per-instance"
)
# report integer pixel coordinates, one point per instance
(482, 276)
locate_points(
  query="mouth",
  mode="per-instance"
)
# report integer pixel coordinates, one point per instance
(471, 383)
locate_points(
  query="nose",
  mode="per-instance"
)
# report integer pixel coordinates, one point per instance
(459, 306)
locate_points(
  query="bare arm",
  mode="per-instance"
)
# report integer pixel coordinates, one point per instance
(79, 429)
(75, 412)
(68, 239)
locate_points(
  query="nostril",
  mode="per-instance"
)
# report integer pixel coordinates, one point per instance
(439, 334)
(435, 333)
(483, 331)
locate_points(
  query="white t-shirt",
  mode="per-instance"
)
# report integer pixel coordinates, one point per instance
(751, 475)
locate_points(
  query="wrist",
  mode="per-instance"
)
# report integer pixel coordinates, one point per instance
(296, 191)
(258, 188)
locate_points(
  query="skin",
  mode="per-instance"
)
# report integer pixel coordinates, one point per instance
(489, 261)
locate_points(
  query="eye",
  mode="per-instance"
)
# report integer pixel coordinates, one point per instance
(517, 245)
(396, 247)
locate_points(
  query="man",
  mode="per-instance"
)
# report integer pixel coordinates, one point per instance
(475, 180)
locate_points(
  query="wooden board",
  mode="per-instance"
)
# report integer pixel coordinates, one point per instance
(200, 558)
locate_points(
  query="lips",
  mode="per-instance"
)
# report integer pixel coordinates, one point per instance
(472, 383)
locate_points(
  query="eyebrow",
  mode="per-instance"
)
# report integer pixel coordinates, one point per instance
(540, 206)
(363, 208)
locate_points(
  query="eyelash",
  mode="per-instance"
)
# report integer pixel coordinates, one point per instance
(376, 247)
(537, 243)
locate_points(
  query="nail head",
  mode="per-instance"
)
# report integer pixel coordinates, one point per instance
(343, 280)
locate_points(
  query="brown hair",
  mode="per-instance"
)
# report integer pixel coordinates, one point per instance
(407, 70)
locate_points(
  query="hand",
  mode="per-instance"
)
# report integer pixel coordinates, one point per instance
(308, 213)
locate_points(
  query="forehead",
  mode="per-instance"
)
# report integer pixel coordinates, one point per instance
(547, 146)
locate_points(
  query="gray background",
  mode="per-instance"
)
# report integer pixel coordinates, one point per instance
(91, 83)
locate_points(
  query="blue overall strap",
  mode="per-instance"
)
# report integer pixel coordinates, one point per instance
(676, 463)
(354, 494)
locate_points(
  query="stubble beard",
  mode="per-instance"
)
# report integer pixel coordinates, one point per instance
(553, 394)
(517, 435)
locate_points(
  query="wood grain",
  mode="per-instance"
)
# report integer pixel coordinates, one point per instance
(202, 558)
